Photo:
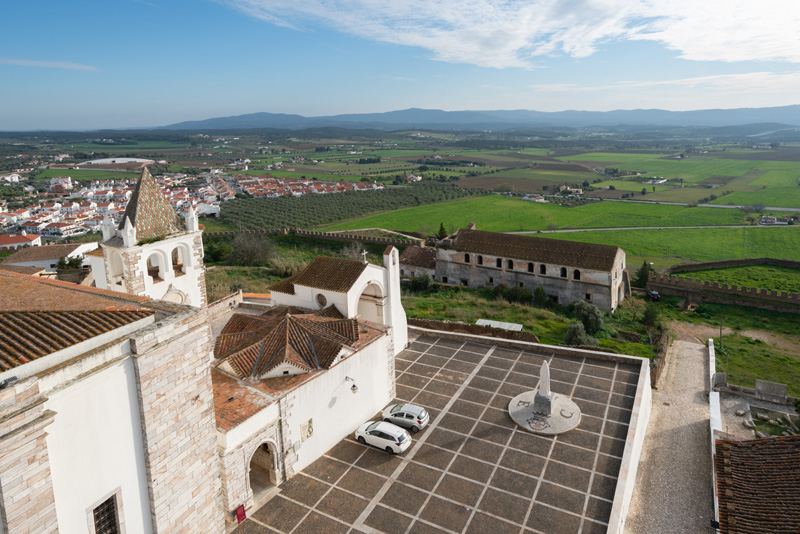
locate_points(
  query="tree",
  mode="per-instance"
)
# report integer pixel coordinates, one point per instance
(540, 297)
(651, 316)
(589, 315)
(65, 262)
(576, 335)
(552, 227)
(250, 250)
(442, 232)
(519, 294)
(423, 282)
(642, 275)
(644, 190)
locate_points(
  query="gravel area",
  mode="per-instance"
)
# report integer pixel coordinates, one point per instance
(673, 487)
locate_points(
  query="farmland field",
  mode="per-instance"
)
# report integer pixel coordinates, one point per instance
(763, 276)
(633, 186)
(502, 214)
(669, 247)
(612, 157)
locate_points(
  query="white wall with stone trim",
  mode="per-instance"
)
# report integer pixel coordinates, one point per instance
(95, 445)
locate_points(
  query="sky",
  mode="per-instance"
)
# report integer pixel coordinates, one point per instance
(91, 64)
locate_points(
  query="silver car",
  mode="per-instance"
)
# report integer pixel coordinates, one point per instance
(386, 436)
(408, 415)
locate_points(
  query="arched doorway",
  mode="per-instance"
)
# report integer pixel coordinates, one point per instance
(262, 477)
(371, 303)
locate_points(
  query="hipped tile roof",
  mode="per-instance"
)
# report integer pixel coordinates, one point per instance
(40, 316)
(255, 345)
(332, 274)
(537, 249)
(42, 253)
(149, 210)
(419, 257)
(758, 485)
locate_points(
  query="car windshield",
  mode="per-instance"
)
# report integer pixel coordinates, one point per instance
(423, 414)
(396, 408)
(373, 425)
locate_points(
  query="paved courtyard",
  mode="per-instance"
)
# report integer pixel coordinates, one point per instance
(471, 470)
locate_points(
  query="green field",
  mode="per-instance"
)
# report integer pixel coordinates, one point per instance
(611, 157)
(501, 214)
(623, 185)
(764, 276)
(674, 246)
(746, 359)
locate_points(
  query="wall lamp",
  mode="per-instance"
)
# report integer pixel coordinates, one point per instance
(354, 387)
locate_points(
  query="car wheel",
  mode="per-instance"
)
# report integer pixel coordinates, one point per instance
(361, 440)
(415, 429)
(390, 450)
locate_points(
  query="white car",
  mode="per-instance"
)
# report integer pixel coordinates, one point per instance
(407, 415)
(386, 436)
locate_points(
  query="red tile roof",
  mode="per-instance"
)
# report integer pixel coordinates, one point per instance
(537, 249)
(43, 253)
(333, 274)
(13, 239)
(254, 345)
(419, 257)
(40, 316)
(150, 211)
(758, 485)
(235, 402)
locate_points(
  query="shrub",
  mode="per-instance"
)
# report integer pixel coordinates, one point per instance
(576, 335)
(251, 250)
(423, 282)
(589, 315)
(284, 267)
(540, 297)
(522, 295)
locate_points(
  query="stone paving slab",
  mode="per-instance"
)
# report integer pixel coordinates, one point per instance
(472, 470)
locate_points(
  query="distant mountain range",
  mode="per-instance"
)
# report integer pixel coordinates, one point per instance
(436, 119)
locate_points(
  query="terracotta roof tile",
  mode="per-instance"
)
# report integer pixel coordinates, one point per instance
(40, 316)
(419, 257)
(234, 401)
(149, 210)
(537, 249)
(332, 274)
(21, 269)
(758, 485)
(45, 252)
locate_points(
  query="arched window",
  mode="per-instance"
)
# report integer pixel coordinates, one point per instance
(155, 268)
(466, 258)
(542, 269)
(530, 267)
(563, 272)
(499, 263)
(480, 260)
(509, 264)
(576, 274)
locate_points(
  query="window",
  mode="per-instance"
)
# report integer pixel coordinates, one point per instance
(576, 274)
(563, 272)
(466, 258)
(509, 264)
(530, 267)
(521, 284)
(587, 297)
(464, 283)
(286, 372)
(444, 279)
(480, 260)
(542, 269)
(491, 280)
(105, 517)
(499, 263)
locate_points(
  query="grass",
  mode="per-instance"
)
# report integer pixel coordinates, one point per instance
(215, 225)
(781, 197)
(611, 157)
(550, 326)
(632, 186)
(763, 276)
(502, 214)
(747, 359)
(221, 281)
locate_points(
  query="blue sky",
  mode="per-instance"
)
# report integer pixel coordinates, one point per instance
(86, 64)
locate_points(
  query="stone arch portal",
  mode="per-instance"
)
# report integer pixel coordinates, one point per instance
(262, 474)
(371, 304)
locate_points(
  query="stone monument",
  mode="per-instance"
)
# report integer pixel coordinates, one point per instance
(543, 412)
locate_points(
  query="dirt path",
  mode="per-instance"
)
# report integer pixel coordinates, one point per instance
(695, 333)
(673, 485)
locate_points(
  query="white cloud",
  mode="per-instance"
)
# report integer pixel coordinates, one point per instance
(46, 64)
(510, 33)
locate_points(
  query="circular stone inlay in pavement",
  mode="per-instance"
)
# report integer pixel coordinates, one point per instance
(565, 415)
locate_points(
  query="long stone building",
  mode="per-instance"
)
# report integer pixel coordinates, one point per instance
(568, 271)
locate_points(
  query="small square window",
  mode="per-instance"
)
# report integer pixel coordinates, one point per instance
(464, 283)
(444, 279)
(588, 296)
(491, 280)
(105, 517)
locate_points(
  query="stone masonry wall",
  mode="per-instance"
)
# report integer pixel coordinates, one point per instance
(178, 426)
(330, 236)
(197, 252)
(688, 267)
(236, 468)
(26, 487)
(134, 280)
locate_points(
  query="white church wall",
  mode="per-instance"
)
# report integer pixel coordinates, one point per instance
(241, 433)
(95, 446)
(328, 402)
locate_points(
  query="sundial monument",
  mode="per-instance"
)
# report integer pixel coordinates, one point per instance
(543, 412)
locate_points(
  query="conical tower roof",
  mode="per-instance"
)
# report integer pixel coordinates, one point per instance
(149, 210)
